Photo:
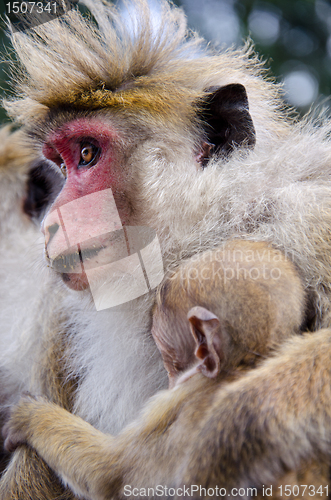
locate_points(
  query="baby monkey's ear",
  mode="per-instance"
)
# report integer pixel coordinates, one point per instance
(207, 333)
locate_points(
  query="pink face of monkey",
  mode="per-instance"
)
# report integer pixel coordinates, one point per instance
(85, 209)
(88, 235)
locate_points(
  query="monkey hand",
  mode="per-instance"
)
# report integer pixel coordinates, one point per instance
(17, 429)
(66, 443)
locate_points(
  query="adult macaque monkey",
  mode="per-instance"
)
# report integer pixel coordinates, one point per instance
(28, 184)
(247, 299)
(154, 130)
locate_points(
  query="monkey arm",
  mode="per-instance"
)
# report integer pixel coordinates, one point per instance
(27, 475)
(76, 451)
(269, 421)
(91, 463)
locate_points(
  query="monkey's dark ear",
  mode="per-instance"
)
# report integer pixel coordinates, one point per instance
(205, 328)
(225, 113)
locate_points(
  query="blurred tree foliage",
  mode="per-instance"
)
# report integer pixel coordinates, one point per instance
(304, 39)
(303, 35)
(293, 35)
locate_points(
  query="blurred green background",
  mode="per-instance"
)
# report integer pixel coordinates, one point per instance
(294, 36)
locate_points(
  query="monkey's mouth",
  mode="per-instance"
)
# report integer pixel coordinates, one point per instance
(71, 266)
(73, 262)
(116, 257)
(85, 256)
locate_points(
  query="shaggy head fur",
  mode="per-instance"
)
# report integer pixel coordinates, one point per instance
(130, 59)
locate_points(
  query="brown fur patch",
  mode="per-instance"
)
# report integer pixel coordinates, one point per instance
(74, 61)
(15, 150)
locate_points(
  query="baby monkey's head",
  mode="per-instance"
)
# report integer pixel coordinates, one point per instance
(225, 309)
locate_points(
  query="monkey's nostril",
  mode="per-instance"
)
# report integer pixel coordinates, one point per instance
(51, 230)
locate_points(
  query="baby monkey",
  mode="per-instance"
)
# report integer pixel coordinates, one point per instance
(225, 310)
(215, 318)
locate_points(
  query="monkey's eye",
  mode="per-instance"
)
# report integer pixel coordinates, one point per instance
(89, 155)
